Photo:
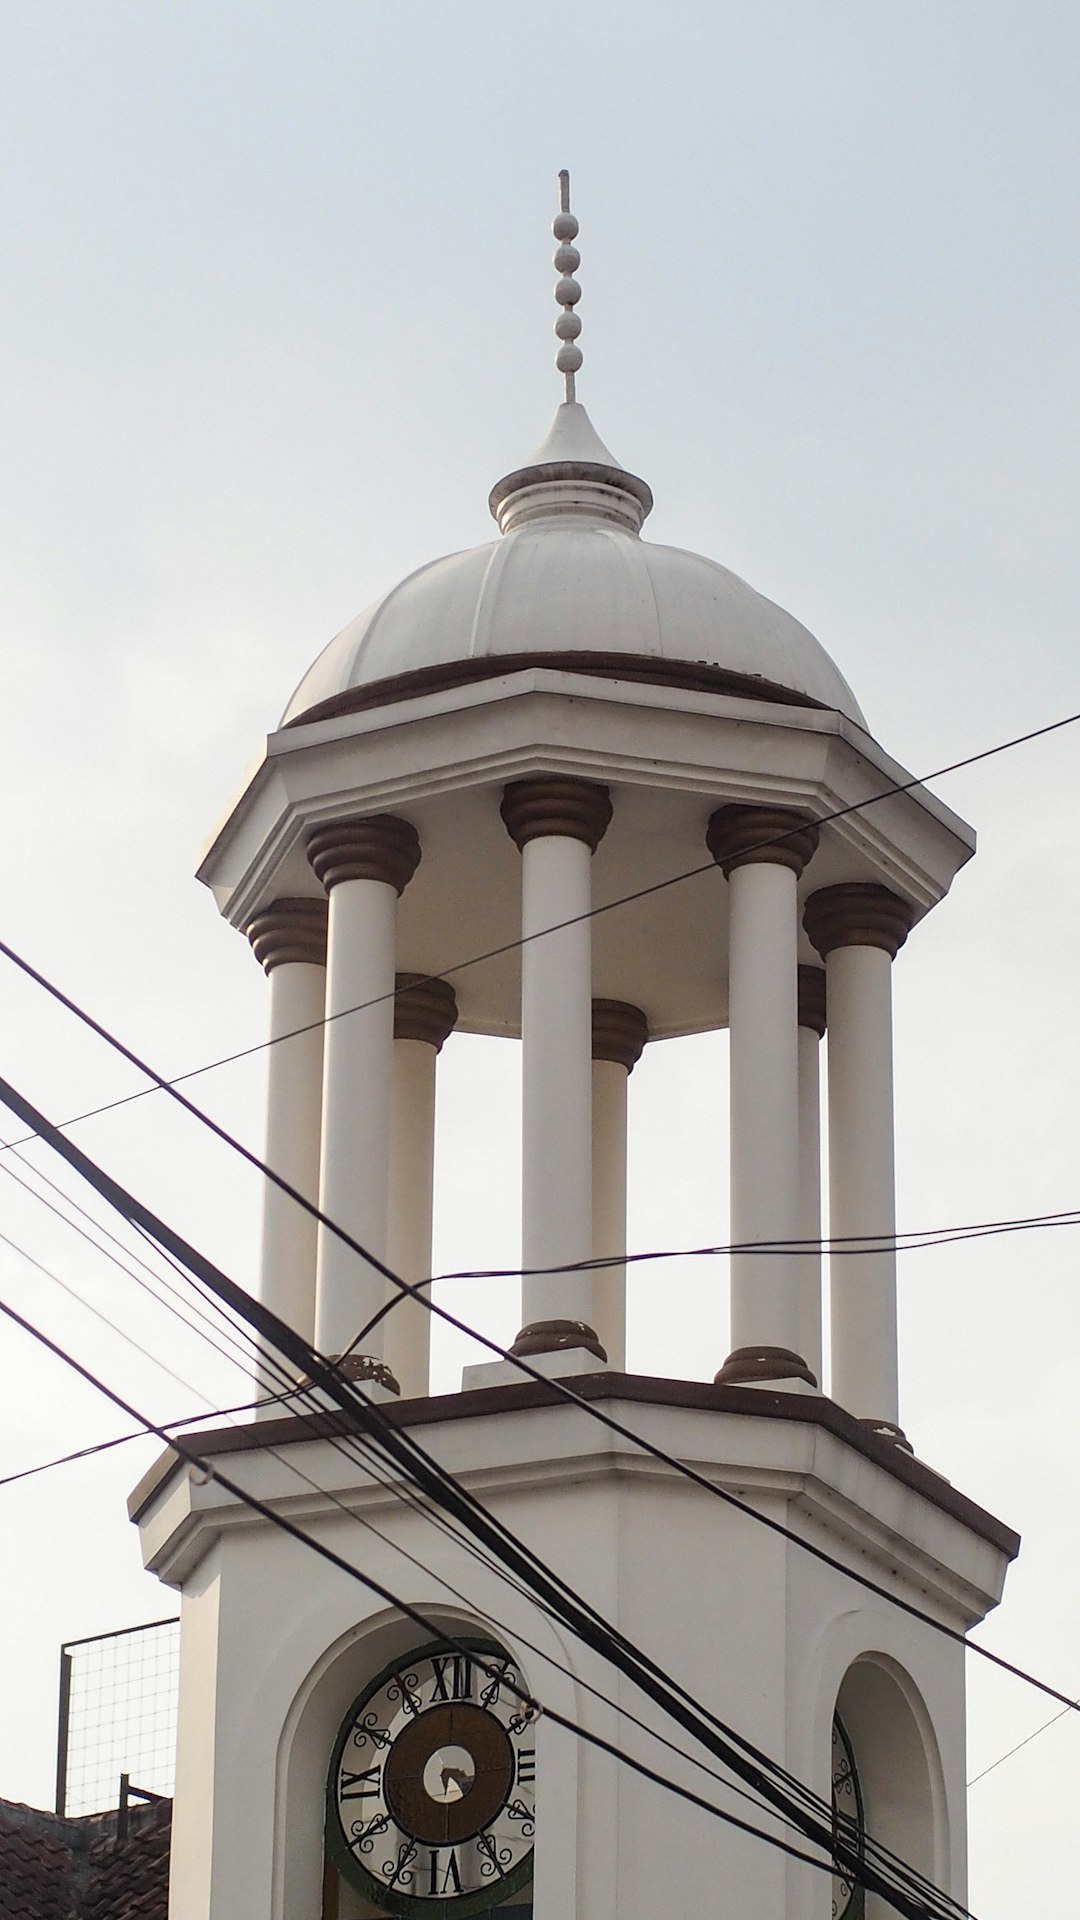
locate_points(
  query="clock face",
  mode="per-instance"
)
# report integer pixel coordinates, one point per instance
(430, 1798)
(847, 1806)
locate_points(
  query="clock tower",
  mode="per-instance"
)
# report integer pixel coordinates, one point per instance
(647, 796)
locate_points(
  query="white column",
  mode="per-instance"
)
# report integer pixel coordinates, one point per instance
(424, 1014)
(619, 1032)
(556, 821)
(762, 851)
(811, 1027)
(289, 939)
(364, 864)
(859, 928)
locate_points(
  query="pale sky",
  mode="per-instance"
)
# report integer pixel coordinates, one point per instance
(276, 312)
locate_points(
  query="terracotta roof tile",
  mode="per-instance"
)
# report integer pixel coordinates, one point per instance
(54, 1869)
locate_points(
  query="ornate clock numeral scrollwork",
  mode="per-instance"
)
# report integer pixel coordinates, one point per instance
(364, 1833)
(493, 1858)
(405, 1690)
(368, 1732)
(848, 1826)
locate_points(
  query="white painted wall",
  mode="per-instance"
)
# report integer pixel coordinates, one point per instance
(275, 1645)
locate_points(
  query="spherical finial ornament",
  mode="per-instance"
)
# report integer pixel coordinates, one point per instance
(567, 291)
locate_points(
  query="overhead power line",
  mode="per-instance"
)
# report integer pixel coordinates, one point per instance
(47, 1130)
(122, 1439)
(841, 1850)
(1025, 1742)
(511, 946)
(779, 1789)
(405, 1495)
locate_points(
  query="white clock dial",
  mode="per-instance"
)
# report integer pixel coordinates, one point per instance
(431, 1794)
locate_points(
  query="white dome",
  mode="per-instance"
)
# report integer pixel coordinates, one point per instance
(571, 583)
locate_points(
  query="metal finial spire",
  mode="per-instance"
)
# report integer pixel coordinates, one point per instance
(567, 292)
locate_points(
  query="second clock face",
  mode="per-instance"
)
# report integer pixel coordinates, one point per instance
(847, 1807)
(431, 1790)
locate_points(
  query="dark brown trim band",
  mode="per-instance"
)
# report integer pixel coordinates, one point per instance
(289, 932)
(754, 1403)
(619, 1032)
(424, 1008)
(376, 846)
(745, 1364)
(640, 668)
(546, 804)
(857, 914)
(556, 1336)
(739, 836)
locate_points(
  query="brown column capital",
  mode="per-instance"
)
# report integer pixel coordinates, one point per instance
(289, 932)
(619, 1032)
(375, 846)
(739, 836)
(857, 914)
(556, 803)
(812, 999)
(424, 1008)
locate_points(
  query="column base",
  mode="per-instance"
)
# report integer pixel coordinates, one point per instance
(766, 1367)
(556, 1336)
(888, 1430)
(365, 1370)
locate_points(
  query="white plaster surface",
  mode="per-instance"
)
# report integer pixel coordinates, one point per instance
(275, 1645)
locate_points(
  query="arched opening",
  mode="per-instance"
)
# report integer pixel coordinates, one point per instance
(886, 1774)
(353, 1743)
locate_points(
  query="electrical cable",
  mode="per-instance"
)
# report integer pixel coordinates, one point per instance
(757, 1771)
(244, 1348)
(511, 946)
(47, 1130)
(839, 1847)
(292, 1393)
(249, 1350)
(350, 1452)
(1025, 1742)
(400, 1492)
(910, 1240)
(121, 1440)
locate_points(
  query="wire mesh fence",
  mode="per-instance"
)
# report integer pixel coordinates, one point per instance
(117, 1715)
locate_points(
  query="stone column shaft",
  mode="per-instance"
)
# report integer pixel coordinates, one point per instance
(557, 821)
(556, 1022)
(364, 864)
(425, 1011)
(811, 1027)
(859, 928)
(619, 1033)
(762, 851)
(289, 938)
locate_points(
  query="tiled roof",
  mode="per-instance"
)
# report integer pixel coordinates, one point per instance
(36, 1865)
(54, 1869)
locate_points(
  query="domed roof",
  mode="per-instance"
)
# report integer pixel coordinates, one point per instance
(570, 583)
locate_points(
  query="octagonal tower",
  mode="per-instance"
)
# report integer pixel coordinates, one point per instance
(650, 796)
